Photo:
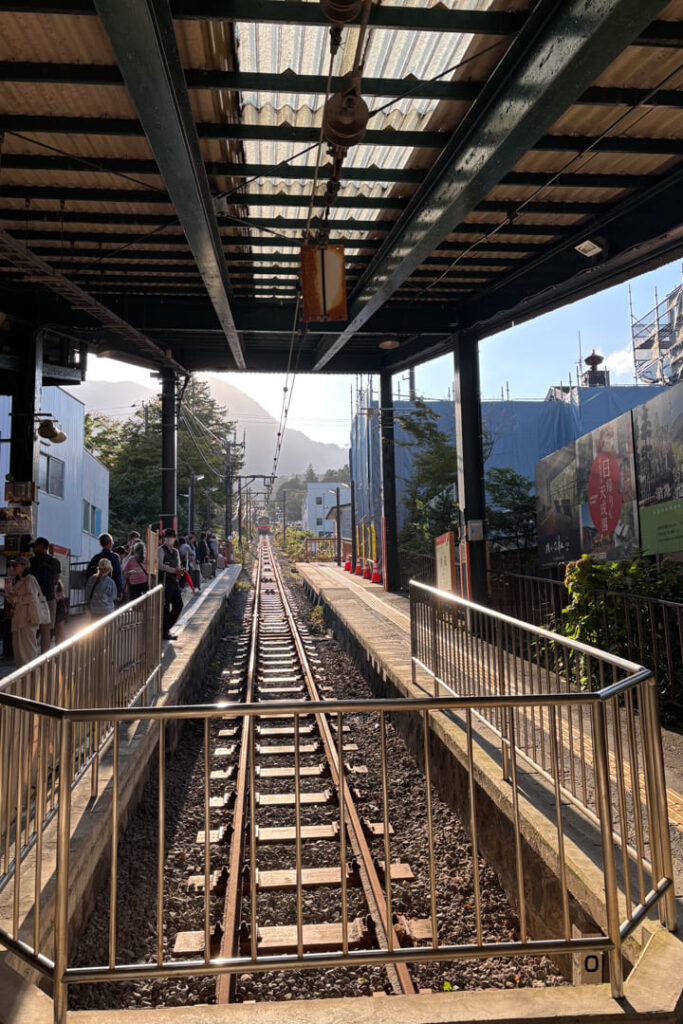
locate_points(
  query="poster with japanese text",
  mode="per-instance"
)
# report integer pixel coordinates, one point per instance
(606, 490)
(658, 430)
(557, 518)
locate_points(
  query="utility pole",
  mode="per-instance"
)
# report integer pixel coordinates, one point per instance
(339, 537)
(190, 504)
(284, 518)
(228, 498)
(239, 510)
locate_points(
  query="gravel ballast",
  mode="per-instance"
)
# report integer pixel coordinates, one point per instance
(136, 939)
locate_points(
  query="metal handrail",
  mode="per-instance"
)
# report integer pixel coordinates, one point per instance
(565, 641)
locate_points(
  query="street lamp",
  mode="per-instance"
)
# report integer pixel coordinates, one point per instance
(332, 491)
(190, 500)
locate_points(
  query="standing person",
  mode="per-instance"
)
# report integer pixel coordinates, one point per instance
(134, 570)
(170, 570)
(46, 569)
(186, 554)
(62, 611)
(133, 538)
(29, 610)
(202, 549)
(101, 591)
(107, 545)
(212, 541)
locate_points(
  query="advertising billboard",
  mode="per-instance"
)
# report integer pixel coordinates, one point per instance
(658, 432)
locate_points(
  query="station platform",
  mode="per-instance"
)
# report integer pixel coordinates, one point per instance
(185, 663)
(375, 628)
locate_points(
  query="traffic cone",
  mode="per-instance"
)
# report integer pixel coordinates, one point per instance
(366, 571)
(359, 568)
(347, 564)
(376, 577)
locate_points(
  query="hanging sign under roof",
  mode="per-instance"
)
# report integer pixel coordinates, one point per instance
(323, 282)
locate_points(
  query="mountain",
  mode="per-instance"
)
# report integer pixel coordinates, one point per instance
(298, 450)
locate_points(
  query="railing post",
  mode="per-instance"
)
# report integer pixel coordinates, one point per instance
(659, 788)
(504, 736)
(413, 633)
(616, 971)
(60, 993)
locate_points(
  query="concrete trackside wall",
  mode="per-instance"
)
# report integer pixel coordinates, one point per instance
(184, 665)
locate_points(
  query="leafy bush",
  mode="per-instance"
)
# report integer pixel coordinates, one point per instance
(609, 607)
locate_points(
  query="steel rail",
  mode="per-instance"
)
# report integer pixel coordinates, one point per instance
(231, 913)
(377, 899)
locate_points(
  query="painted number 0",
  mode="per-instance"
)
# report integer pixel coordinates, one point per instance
(591, 963)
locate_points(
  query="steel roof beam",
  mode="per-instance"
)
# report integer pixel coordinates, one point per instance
(559, 53)
(348, 224)
(143, 39)
(293, 12)
(131, 128)
(638, 233)
(316, 85)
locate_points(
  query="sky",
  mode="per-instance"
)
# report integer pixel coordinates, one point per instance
(530, 358)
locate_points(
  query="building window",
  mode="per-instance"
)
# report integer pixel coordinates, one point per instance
(319, 500)
(92, 519)
(51, 475)
(318, 522)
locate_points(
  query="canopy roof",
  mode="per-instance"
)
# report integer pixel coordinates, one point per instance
(150, 164)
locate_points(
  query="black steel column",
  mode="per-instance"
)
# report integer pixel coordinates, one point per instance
(339, 536)
(392, 580)
(24, 451)
(284, 519)
(228, 498)
(468, 439)
(169, 449)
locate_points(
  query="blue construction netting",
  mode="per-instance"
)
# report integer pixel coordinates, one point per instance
(519, 435)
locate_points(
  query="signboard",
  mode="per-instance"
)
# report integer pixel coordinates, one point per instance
(16, 521)
(20, 492)
(152, 549)
(323, 282)
(606, 490)
(658, 431)
(586, 497)
(444, 551)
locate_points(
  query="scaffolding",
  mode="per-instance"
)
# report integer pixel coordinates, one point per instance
(657, 340)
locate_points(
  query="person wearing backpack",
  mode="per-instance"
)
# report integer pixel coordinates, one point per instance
(100, 591)
(134, 570)
(106, 546)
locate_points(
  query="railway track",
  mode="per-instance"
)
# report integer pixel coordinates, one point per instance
(280, 791)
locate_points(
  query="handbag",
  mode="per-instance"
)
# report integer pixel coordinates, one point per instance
(39, 610)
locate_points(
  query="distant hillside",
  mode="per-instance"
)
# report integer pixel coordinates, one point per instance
(298, 450)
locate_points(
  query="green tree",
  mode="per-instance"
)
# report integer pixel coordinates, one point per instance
(511, 511)
(135, 462)
(430, 487)
(102, 437)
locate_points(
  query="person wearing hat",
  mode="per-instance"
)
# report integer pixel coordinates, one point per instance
(29, 610)
(170, 569)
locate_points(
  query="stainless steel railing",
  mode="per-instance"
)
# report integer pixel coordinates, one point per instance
(649, 860)
(114, 661)
(586, 720)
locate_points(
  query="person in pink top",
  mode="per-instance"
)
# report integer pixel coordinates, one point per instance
(135, 571)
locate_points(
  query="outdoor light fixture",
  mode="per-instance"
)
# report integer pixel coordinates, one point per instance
(389, 343)
(588, 248)
(48, 430)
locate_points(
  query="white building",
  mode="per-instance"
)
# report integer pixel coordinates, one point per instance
(73, 486)
(319, 500)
